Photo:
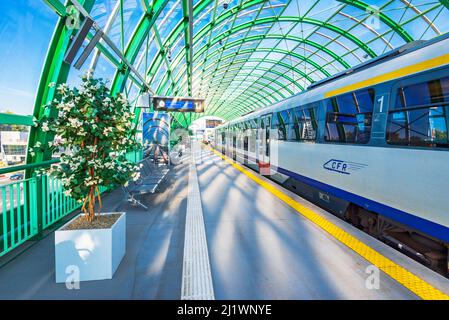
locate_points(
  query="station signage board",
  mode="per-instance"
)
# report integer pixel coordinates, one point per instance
(211, 123)
(178, 104)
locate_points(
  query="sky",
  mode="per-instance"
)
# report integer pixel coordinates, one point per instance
(26, 27)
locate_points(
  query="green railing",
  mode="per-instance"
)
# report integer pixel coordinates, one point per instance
(56, 205)
(18, 221)
(30, 206)
(134, 156)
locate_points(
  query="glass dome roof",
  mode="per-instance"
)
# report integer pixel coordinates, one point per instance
(241, 55)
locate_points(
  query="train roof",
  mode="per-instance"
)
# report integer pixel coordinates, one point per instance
(318, 87)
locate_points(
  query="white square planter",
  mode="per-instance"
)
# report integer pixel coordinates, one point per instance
(93, 254)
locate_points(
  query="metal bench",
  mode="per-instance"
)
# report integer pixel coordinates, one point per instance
(150, 179)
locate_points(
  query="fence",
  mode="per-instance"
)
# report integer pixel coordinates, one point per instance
(30, 206)
(18, 221)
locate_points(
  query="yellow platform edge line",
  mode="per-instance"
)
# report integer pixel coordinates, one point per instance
(409, 280)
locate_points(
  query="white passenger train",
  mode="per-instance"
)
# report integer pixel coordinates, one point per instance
(370, 144)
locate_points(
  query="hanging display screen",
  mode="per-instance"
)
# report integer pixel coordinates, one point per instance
(210, 124)
(176, 104)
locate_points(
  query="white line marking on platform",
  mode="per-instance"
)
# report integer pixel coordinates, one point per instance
(196, 274)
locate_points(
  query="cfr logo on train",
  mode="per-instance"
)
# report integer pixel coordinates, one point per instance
(344, 167)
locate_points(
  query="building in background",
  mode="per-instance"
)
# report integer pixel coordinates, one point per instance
(203, 128)
(13, 147)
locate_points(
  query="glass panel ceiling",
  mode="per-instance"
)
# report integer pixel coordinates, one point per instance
(244, 54)
(287, 45)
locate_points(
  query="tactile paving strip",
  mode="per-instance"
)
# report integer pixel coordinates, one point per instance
(196, 273)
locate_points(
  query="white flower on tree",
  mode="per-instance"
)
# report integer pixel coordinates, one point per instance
(45, 127)
(94, 128)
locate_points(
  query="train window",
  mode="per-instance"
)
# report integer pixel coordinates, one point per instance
(349, 117)
(252, 141)
(275, 126)
(253, 124)
(292, 134)
(291, 124)
(420, 115)
(279, 125)
(306, 124)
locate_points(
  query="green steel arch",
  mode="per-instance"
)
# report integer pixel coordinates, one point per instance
(248, 4)
(343, 37)
(293, 54)
(280, 63)
(279, 37)
(283, 75)
(258, 38)
(54, 71)
(279, 74)
(266, 92)
(271, 20)
(358, 4)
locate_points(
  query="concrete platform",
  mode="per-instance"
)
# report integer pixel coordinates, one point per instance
(149, 270)
(258, 247)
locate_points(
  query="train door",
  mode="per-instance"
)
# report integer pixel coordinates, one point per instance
(223, 141)
(264, 145)
(246, 135)
(234, 143)
(229, 142)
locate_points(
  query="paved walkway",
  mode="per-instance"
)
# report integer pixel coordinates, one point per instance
(258, 248)
(151, 268)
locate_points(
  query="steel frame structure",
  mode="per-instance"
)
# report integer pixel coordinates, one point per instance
(254, 53)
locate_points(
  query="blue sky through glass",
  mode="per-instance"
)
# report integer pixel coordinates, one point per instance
(26, 27)
(286, 55)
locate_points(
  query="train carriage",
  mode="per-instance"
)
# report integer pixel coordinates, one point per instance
(370, 145)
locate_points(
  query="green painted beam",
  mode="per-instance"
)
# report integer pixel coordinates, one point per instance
(234, 11)
(382, 16)
(28, 166)
(141, 31)
(277, 37)
(198, 8)
(57, 7)
(187, 8)
(54, 70)
(167, 63)
(237, 109)
(264, 60)
(255, 38)
(295, 55)
(445, 3)
(6, 118)
(240, 107)
(276, 73)
(271, 20)
(133, 47)
(259, 60)
(136, 41)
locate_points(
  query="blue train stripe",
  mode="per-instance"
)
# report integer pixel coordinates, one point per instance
(431, 228)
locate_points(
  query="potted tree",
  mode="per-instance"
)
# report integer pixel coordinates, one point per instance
(94, 131)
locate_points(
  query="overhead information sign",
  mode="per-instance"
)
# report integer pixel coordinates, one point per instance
(210, 124)
(177, 104)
